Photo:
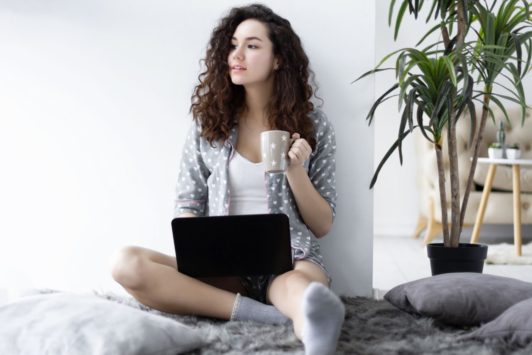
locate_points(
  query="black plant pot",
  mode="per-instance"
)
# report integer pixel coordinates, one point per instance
(466, 258)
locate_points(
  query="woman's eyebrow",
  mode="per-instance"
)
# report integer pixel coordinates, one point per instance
(248, 38)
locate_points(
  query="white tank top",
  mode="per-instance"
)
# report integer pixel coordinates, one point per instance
(247, 187)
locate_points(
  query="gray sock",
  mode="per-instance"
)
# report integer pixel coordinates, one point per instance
(246, 308)
(324, 314)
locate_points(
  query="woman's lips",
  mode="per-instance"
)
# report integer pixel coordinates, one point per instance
(238, 68)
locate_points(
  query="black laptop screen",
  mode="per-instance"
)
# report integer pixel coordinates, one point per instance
(242, 245)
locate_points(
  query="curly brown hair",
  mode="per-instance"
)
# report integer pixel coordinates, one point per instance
(217, 102)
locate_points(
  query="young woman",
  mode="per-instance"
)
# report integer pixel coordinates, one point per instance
(256, 79)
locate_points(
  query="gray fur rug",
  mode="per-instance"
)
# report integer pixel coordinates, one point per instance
(370, 327)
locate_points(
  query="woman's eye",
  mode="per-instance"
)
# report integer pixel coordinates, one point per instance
(250, 46)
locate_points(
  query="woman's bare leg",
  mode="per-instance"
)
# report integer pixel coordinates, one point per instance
(152, 278)
(316, 312)
(286, 290)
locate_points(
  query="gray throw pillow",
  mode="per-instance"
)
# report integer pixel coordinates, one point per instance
(514, 325)
(460, 298)
(65, 323)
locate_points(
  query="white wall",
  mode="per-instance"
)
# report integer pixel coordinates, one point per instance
(395, 196)
(93, 110)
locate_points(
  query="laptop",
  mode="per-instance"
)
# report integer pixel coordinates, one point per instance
(241, 245)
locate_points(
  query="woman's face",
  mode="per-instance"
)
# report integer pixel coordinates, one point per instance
(251, 60)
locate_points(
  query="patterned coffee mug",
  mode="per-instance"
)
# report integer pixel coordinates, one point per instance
(274, 149)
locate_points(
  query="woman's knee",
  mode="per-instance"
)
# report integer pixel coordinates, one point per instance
(303, 274)
(292, 281)
(129, 267)
(312, 272)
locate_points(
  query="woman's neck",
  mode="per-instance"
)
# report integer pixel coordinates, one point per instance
(257, 100)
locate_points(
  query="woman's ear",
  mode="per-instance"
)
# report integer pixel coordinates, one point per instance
(276, 64)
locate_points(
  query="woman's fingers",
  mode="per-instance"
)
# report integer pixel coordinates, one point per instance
(300, 149)
(292, 155)
(302, 146)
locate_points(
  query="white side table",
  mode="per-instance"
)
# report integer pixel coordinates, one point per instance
(516, 178)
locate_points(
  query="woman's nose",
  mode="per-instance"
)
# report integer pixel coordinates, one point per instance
(238, 53)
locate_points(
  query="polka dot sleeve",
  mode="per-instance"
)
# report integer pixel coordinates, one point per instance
(322, 165)
(191, 188)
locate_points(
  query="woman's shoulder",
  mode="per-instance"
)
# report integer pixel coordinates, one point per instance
(195, 133)
(194, 129)
(320, 120)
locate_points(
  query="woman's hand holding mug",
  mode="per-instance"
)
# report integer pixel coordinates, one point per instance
(280, 152)
(299, 151)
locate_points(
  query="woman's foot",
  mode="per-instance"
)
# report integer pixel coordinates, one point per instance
(323, 314)
(246, 308)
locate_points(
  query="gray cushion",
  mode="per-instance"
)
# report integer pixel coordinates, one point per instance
(86, 324)
(460, 298)
(514, 325)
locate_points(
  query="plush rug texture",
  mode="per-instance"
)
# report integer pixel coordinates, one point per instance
(505, 254)
(371, 327)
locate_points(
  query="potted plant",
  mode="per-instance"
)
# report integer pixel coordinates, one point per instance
(513, 152)
(495, 150)
(480, 43)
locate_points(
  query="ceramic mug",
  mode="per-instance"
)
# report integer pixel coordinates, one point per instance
(274, 147)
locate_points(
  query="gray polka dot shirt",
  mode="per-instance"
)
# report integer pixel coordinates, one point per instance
(203, 186)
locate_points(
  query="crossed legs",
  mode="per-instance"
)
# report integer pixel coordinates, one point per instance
(301, 294)
(152, 278)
